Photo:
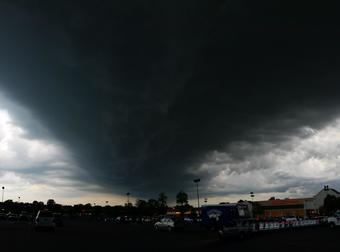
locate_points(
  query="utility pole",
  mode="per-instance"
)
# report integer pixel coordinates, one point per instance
(128, 198)
(3, 191)
(198, 197)
(252, 195)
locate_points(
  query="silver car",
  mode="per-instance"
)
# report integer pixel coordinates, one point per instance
(165, 224)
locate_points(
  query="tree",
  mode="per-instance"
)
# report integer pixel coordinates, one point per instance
(162, 198)
(153, 203)
(182, 203)
(141, 203)
(258, 210)
(182, 198)
(162, 201)
(142, 207)
(331, 204)
(50, 202)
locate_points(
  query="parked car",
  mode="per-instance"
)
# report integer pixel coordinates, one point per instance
(58, 220)
(44, 220)
(147, 220)
(3, 216)
(188, 220)
(334, 221)
(25, 217)
(165, 224)
(12, 217)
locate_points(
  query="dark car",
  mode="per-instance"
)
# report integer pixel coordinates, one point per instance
(44, 221)
(3, 216)
(58, 220)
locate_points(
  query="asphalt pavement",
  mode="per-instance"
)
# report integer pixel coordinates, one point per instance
(76, 235)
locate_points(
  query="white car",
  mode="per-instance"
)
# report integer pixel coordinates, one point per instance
(334, 220)
(44, 220)
(165, 224)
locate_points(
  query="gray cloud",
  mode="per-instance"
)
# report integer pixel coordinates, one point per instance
(140, 92)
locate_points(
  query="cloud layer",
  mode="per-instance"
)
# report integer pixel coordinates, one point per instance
(304, 163)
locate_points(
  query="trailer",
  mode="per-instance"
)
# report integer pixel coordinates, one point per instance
(229, 219)
(237, 220)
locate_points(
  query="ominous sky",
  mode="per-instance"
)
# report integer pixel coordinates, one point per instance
(98, 98)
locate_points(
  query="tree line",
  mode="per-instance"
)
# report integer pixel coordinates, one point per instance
(150, 207)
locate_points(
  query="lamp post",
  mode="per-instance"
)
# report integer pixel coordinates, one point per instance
(19, 199)
(128, 198)
(252, 196)
(3, 191)
(198, 197)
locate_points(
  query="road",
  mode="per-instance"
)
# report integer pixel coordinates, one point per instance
(136, 237)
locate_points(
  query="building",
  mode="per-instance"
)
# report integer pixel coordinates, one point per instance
(301, 207)
(282, 207)
(314, 204)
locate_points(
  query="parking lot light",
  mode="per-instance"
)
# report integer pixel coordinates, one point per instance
(198, 197)
(252, 195)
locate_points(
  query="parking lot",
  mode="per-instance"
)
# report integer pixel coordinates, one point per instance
(137, 237)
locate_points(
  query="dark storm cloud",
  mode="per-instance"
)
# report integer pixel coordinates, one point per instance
(142, 90)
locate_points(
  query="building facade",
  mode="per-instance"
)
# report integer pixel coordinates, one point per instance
(314, 204)
(302, 207)
(282, 207)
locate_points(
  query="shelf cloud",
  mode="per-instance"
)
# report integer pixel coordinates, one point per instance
(144, 97)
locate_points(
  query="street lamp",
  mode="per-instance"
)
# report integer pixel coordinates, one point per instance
(3, 191)
(128, 198)
(19, 199)
(252, 195)
(198, 197)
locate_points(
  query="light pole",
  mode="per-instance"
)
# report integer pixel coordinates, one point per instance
(252, 195)
(128, 198)
(19, 199)
(198, 197)
(3, 191)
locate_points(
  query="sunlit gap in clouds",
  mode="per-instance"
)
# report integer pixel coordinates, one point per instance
(297, 167)
(39, 169)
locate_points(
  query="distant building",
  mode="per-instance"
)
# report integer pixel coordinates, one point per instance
(282, 207)
(301, 207)
(313, 205)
